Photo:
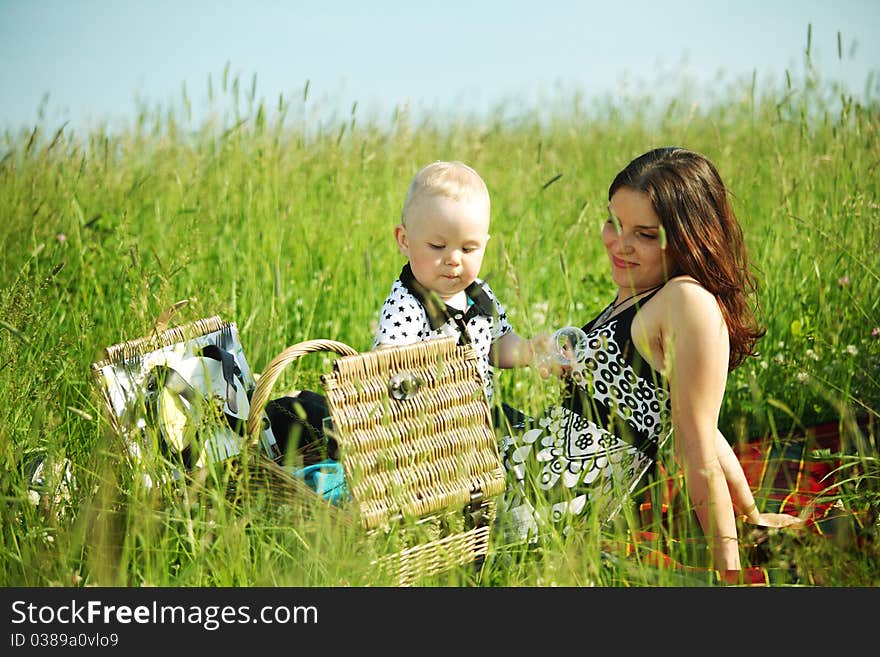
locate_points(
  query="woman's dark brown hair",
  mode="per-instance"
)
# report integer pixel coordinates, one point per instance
(703, 235)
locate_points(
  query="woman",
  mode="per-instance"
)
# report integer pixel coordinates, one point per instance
(656, 363)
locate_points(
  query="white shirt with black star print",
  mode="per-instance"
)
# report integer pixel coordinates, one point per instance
(403, 320)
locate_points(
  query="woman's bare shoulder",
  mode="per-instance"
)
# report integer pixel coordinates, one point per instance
(685, 300)
(683, 308)
(687, 289)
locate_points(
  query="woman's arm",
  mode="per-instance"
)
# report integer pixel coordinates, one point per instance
(695, 347)
(742, 492)
(736, 479)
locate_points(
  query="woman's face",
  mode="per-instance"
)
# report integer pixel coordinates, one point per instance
(633, 237)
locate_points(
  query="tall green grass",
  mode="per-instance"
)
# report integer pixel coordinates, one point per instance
(281, 220)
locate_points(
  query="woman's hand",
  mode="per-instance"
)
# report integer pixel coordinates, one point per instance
(776, 520)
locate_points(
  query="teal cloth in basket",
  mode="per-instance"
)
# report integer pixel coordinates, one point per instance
(327, 479)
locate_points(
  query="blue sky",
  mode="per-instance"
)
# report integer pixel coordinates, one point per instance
(94, 58)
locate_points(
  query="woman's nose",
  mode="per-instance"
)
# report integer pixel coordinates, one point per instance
(624, 242)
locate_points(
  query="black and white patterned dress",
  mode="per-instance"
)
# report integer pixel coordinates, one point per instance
(412, 314)
(592, 450)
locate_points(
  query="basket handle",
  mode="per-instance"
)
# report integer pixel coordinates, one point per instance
(267, 379)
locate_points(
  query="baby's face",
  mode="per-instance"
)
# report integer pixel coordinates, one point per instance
(445, 241)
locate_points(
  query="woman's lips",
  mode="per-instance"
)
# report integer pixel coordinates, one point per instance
(622, 264)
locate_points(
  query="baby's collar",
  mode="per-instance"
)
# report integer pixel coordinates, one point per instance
(439, 312)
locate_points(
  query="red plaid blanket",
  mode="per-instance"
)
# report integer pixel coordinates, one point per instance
(800, 475)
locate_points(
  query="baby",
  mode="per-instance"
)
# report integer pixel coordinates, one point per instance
(443, 233)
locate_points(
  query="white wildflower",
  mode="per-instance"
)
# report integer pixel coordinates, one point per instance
(539, 312)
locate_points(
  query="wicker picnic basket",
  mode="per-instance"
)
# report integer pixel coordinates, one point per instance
(249, 470)
(414, 434)
(125, 375)
(410, 425)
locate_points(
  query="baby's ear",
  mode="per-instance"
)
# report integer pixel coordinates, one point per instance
(401, 238)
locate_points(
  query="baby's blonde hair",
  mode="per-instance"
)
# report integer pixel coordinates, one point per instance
(455, 180)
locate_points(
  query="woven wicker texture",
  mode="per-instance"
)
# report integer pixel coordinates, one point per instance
(134, 349)
(418, 455)
(276, 366)
(433, 557)
(421, 460)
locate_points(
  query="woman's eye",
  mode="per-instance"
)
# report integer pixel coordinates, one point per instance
(648, 236)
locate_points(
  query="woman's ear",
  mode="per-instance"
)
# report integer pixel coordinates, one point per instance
(401, 238)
